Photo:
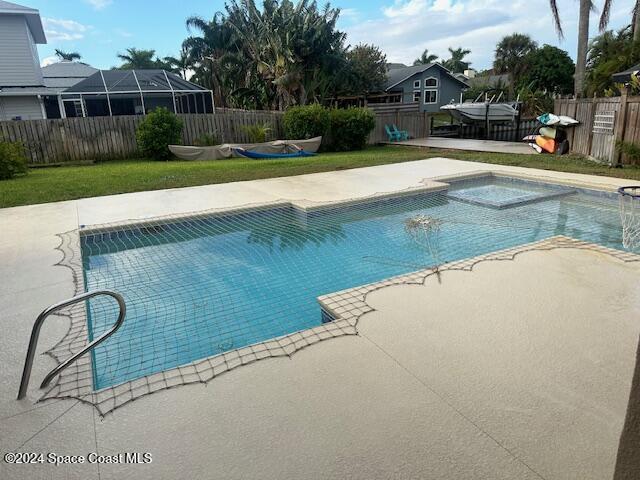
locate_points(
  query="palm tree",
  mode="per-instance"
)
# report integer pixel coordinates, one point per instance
(426, 58)
(636, 21)
(137, 59)
(68, 56)
(583, 36)
(510, 53)
(280, 54)
(211, 54)
(179, 64)
(456, 63)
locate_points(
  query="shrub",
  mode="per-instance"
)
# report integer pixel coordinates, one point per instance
(257, 133)
(206, 140)
(157, 131)
(306, 121)
(350, 128)
(630, 150)
(13, 160)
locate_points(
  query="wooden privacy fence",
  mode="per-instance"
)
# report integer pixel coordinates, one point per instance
(603, 121)
(93, 138)
(420, 125)
(416, 123)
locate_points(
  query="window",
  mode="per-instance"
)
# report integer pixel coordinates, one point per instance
(416, 84)
(430, 82)
(416, 95)
(431, 96)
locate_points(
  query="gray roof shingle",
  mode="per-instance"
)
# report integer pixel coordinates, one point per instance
(398, 75)
(66, 68)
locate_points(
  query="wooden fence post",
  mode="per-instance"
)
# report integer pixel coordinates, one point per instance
(621, 123)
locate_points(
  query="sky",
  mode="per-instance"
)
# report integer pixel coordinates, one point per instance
(99, 29)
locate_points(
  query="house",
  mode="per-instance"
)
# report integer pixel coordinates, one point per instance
(134, 92)
(625, 76)
(58, 77)
(21, 82)
(75, 89)
(427, 86)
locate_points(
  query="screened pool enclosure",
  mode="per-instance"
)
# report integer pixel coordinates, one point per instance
(134, 92)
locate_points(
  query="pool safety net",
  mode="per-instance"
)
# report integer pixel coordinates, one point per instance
(630, 216)
(211, 291)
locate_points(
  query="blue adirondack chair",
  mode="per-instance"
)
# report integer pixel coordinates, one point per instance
(393, 135)
(403, 134)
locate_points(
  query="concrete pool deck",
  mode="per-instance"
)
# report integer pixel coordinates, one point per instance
(530, 385)
(468, 144)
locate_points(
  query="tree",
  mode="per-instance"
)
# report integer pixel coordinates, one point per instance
(636, 21)
(583, 36)
(367, 69)
(510, 54)
(425, 58)
(550, 69)
(138, 58)
(179, 64)
(69, 56)
(609, 53)
(456, 63)
(283, 54)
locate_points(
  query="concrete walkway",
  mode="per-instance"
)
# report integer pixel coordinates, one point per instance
(469, 144)
(519, 369)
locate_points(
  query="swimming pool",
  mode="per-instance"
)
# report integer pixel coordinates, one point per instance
(202, 286)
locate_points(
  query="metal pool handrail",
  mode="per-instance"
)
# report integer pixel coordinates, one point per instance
(35, 333)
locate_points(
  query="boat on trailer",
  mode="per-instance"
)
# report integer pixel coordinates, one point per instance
(482, 110)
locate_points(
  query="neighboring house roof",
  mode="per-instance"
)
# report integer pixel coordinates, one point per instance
(398, 75)
(625, 76)
(148, 80)
(65, 74)
(31, 15)
(393, 66)
(491, 80)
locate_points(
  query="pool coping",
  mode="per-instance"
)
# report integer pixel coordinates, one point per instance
(344, 307)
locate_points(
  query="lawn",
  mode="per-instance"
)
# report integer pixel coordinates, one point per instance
(66, 183)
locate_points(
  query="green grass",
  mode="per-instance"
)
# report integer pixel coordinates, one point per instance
(66, 183)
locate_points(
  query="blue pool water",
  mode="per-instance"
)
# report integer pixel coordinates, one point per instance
(199, 287)
(499, 192)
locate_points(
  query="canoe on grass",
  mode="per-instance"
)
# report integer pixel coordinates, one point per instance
(258, 155)
(227, 150)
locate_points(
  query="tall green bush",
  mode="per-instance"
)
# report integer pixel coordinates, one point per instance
(157, 131)
(631, 150)
(350, 128)
(306, 121)
(13, 160)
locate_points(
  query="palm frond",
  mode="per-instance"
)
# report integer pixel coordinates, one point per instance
(557, 23)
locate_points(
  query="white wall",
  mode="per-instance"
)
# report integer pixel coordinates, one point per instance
(26, 107)
(19, 63)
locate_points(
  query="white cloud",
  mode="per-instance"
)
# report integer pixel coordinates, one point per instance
(404, 9)
(99, 4)
(63, 30)
(406, 27)
(48, 61)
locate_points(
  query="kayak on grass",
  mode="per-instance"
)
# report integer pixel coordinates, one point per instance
(258, 155)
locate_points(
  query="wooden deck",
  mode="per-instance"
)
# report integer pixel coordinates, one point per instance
(469, 144)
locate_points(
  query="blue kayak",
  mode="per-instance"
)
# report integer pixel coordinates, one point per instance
(250, 154)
